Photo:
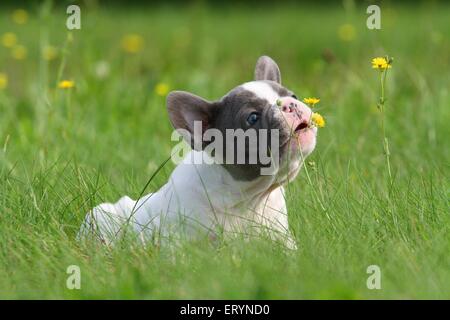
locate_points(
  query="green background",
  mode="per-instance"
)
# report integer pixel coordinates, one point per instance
(63, 151)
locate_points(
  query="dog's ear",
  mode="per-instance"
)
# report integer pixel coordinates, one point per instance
(267, 69)
(185, 109)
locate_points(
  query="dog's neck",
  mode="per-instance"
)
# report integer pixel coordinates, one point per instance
(218, 186)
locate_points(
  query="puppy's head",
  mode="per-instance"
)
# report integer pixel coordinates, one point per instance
(268, 116)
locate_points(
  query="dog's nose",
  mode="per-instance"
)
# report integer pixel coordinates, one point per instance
(292, 107)
(288, 105)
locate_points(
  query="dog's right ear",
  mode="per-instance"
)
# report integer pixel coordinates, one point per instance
(185, 109)
(267, 69)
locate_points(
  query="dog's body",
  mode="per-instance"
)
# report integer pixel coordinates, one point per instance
(233, 198)
(196, 196)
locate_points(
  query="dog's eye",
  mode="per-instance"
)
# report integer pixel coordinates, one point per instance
(253, 118)
(294, 96)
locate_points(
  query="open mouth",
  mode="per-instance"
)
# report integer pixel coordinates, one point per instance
(303, 125)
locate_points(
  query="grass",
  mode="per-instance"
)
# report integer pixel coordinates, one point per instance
(60, 155)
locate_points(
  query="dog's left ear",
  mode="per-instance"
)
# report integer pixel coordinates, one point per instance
(185, 109)
(267, 69)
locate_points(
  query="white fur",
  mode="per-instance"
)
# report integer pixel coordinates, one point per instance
(202, 196)
(196, 196)
(262, 90)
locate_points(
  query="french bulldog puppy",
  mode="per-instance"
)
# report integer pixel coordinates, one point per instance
(221, 197)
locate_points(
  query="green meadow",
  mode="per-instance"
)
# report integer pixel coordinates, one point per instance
(64, 150)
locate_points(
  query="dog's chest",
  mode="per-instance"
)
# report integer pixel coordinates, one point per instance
(209, 195)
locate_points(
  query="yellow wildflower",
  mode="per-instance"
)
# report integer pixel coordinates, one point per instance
(49, 53)
(161, 89)
(9, 39)
(20, 16)
(318, 120)
(66, 84)
(132, 43)
(380, 63)
(311, 101)
(347, 32)
(19, 52)
(3, 80)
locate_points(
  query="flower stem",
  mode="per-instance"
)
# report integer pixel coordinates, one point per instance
(312, 185)
(383, 127)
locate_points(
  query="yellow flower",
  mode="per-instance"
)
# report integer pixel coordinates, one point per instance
(49, 53)
(318, 120)
(66, 84)
(347, 32)
(380, 63)
(9, 39)
(132, 43)
(3, 80)
(20, 16)
(19, 52)
(311, 101)
(161, 89)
